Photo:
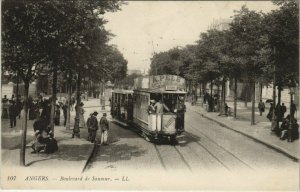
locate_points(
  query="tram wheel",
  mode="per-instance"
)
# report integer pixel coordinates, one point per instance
(173, 140)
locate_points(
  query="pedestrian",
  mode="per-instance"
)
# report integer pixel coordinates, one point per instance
(5, 106)
(72, 103)
(227, 109)
(81, 116)
(261, 107)
(57, 115)
(282, 110)
(19, 106)
(151, 108)
(278, 112)
(13, 113)
(270, 114)
(92, 125)
(293, 109)
(211, 105)
(65, 112)
(104, 127)
(46, 112)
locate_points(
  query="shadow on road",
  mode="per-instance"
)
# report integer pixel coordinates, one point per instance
(120, 152)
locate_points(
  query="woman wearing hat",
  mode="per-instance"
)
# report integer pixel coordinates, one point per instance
(81, 117)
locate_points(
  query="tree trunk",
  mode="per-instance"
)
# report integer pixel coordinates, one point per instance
(220, 95)
(279, 94)
(68, 127)
(54, 90)
(260, 91)
(222, 103)
(211, 87)
(24, 127)
(273, 103)
(200, 89)
(235, 97)
(253, 103)
(246, 95)
(17, 91)
(77, 108)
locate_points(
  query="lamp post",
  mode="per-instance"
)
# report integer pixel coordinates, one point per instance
(292, 91)
(102, 96)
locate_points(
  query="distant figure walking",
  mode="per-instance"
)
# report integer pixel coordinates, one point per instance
(104, 127)
(261, 107)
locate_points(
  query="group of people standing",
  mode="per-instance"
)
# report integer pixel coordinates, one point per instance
(284, 127)
(92, 125)
(212, 101)
(11, 108)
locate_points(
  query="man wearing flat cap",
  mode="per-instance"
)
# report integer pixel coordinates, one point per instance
(92, 124)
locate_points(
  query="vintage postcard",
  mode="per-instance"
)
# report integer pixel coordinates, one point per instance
(150, 95)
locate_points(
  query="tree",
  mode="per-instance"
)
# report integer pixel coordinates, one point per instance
(247, 29)
(21, 45)
(51, 34)
(281, 28)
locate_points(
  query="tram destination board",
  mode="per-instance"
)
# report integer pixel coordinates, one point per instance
(160, 82)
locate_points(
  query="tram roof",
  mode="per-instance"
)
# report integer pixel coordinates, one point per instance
(123, 91)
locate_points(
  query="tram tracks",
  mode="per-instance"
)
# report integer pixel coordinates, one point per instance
(211, 141)
(164, 163)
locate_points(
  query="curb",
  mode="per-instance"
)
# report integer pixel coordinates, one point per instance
(274, 147)
(92, 154)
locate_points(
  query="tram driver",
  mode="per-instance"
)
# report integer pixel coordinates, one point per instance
(180, 110)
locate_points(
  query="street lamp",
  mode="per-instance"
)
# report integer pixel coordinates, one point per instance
(292, 86)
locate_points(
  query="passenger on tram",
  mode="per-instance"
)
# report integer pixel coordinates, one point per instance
(151, 108)
(160, 107)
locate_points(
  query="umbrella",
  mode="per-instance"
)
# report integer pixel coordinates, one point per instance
(269, 101)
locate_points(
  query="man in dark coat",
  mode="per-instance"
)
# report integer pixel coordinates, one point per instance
(261, 107)
(283, 110)
(180, 110)
(13, 113)
(293, 109)
(92, 124)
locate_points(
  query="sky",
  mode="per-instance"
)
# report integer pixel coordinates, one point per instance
(144, 27)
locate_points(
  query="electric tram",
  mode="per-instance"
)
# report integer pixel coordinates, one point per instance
(155, 106)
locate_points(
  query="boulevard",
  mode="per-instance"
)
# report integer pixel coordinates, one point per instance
(90, 88)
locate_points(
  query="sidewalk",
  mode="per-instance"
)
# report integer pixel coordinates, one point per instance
(260, 132)
(72, 152)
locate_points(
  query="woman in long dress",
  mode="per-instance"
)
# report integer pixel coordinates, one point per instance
(81, 116)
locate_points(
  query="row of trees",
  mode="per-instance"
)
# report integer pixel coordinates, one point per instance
(256, 48)
(58, 37)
